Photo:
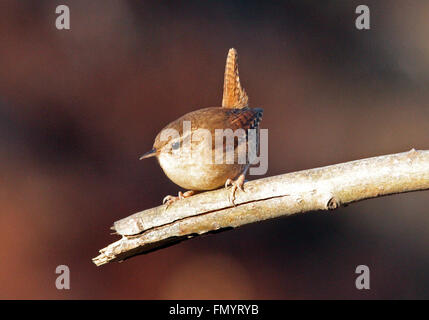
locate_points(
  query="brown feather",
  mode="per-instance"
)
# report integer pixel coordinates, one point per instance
(234, 96)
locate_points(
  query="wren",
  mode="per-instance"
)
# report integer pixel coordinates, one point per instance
(196, 167)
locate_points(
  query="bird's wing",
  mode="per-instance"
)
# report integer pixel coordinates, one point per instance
(234, 96)
(245, 118)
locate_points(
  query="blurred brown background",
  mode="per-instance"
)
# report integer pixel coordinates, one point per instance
(78, 107)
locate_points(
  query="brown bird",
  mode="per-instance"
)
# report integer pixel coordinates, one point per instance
(191, 149)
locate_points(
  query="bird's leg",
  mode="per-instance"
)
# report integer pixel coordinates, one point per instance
(236, 184)
(181, 195)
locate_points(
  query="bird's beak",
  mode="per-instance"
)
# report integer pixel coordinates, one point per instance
(149, 154)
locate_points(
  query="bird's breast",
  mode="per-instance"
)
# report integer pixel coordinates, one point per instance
(196, 174)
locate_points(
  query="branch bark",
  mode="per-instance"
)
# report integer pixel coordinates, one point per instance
(325, 188)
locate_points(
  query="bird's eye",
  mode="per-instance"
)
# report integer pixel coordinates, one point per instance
(176, 145)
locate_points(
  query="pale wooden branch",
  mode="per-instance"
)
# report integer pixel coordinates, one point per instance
(315, 189)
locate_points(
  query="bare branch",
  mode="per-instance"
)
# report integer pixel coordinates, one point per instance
(315, 189)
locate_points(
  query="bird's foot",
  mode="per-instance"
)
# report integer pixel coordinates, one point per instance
(237, 184)
(168, 200)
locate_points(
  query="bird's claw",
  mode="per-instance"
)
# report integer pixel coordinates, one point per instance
(168, 200)
(237, 184)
